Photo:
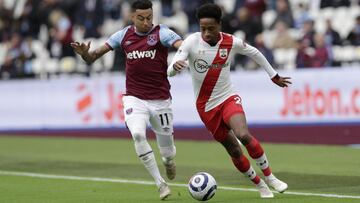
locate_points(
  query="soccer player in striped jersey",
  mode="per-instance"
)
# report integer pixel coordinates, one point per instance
(147, 98)
(208, 53)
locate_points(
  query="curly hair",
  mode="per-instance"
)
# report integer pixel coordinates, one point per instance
(209, 10)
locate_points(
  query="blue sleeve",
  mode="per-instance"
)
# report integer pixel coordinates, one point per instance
(167, 36)
(115, 40)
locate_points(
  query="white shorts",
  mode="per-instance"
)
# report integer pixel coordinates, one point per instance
(157, 112)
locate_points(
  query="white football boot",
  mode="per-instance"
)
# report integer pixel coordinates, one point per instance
(164, 191)
(275, 183)
(264, 190)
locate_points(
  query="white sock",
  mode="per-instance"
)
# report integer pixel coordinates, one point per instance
(262, 162)
(150, 164)
(146, 155)
(250, 173)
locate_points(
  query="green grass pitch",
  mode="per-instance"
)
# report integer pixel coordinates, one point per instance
(73, 164)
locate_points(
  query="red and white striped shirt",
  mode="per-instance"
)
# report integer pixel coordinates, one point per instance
(210, 66)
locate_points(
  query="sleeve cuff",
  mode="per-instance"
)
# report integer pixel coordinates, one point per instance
(108, 45)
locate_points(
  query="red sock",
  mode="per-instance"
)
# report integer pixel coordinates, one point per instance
(243, 165)
(256, 152)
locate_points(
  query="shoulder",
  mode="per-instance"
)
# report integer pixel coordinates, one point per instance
(230, 36)
(127, 28)
(237, 42)
(165, 30)
(164, 27)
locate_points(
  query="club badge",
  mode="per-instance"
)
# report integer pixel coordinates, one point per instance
(152, 39)
(223, 53)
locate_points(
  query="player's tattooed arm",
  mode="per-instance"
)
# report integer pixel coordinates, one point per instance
(89, 56)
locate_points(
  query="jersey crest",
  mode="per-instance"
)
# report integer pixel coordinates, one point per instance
(223, 53)
(152, 39)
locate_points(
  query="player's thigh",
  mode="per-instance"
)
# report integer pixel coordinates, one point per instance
(161, 118)
(234, 115)
(136, 115)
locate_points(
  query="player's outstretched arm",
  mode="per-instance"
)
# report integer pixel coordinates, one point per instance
(89, 56)
(281, 81)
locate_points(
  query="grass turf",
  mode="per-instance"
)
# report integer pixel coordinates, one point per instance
(314, 169)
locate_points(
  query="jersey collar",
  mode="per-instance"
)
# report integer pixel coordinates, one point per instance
(143, 34)
(217, 44)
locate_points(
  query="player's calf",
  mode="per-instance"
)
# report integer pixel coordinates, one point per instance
(170, 168)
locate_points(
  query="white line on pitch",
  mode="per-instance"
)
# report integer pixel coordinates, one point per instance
(139, 182)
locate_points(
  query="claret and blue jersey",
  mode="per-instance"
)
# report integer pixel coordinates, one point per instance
(146, 60)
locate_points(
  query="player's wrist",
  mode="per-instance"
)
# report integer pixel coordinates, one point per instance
(275, 78)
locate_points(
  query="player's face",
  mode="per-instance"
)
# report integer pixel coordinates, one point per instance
(143, 20)
(210, 29)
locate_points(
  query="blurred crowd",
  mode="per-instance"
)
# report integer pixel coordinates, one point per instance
(35, 34)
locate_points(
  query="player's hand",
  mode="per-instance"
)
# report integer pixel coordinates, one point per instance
(80, 48)
(281, 81)
(180, 65)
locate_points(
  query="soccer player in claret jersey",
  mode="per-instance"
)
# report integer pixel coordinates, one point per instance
(147, 96)
(219, 107)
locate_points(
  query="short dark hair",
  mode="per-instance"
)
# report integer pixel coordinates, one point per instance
(141, 4)
(209, 10)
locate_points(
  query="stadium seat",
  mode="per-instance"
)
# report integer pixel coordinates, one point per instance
(111, 26)
(67, 65)
(52, 66)
(268, 36)
(268, 18)
(285, 58)
(38, 66)
(240, 34)
(39, 49)
(357, 53)
(345, 53)
(179, 21)
(337, 53)
(3, 50)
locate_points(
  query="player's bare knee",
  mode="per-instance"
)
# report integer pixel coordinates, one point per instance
(245, 137)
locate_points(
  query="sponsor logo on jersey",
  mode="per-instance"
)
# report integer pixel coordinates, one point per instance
(201, 66)
(152, 39)
(141, 54)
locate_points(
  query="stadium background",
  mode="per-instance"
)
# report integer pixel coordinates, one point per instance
(68, 107)
(47, 90)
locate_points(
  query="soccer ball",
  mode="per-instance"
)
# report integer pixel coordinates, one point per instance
(202, 186)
